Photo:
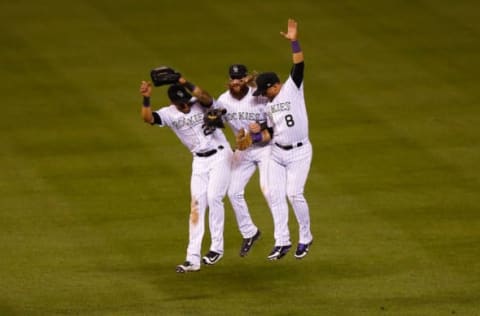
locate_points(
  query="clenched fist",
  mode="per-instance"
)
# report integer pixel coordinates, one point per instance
(146, 88)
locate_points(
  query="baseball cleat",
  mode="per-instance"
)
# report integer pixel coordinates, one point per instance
(302, 250)
(212, 257)
(278, 252)
(248, 243)
(187, 266)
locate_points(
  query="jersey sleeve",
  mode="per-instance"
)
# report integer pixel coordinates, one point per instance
(161, 117)
(297, 73)
(156, 119)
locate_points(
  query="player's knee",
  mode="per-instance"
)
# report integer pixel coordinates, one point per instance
(215, 200)
(266, 194)
(235, 194)
(294, 197)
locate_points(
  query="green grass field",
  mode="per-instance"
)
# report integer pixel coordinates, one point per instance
(94, 203)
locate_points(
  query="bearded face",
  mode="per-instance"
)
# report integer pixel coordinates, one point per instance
(238, 87)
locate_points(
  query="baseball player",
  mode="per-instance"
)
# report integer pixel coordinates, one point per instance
(291, 150)
(245, 111)
(210, 168)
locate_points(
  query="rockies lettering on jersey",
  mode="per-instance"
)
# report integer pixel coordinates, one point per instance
(189, 121)
(245, 116)
(287, 114)
(281, 107)
(240, 113)
(188, 128)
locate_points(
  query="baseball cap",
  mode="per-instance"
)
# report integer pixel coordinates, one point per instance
(237, 71)
(178, 93)
(264, 81)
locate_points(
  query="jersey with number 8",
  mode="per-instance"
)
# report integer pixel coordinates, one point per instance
(287, 113)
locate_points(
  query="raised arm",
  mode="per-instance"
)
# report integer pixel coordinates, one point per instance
(292, 35)
(146, 92)
(202, 96)
(297, 53)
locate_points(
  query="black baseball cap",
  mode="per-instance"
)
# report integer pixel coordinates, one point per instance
(237, 71)
(178, 93)
(264, 81)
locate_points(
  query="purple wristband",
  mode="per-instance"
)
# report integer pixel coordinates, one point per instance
(257, 137)
(146, 102)
(296, 47)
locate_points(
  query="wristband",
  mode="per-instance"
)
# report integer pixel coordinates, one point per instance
(190, 86)
(146, 102)
(256, 137)
(296, 47)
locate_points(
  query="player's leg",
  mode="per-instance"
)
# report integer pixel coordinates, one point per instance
(242, 171)
(276, 184)
(262, 159)
(297, 173)
(198, 189)
(219, 178)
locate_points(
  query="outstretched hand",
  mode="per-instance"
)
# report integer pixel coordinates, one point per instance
(291, 30)
(146, 88)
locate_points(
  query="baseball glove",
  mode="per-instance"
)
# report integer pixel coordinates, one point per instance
(212, 119)
(164, 75)
(243, 140)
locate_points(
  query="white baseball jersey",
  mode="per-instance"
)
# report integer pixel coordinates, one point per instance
(287, 115)
(290, 165)
(210, 177)
(188, 128)
(240, 113)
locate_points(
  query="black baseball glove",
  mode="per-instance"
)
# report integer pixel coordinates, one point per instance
(212, 119)
(164, 75)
